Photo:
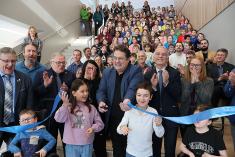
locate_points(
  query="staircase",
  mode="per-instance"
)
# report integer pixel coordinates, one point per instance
(80, 43)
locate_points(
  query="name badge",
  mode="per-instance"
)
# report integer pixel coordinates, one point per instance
(34, 140)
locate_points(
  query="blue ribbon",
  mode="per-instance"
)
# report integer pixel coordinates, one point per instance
(21, 128)
(191, 119)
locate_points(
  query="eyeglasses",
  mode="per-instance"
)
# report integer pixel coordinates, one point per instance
(118, 58)
(59, 63)
(91, 68)
(195, 65)
(8, 61)
(26, 119)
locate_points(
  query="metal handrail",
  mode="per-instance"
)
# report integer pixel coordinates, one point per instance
(52, 34)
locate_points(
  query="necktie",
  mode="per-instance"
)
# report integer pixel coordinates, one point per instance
(8, 101)
(58, 81)
(221, 71)
(160, 81)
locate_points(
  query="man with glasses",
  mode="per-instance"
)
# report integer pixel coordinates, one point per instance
(47, 85)
(117, 88)
(15, 92)
(166, 84)
(219, 72)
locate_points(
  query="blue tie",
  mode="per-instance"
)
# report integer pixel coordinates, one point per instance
(160, 81)
(8, 101)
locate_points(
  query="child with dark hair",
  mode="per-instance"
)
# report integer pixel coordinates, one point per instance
(202, 140)
(139, 126)
(31, 140)
(81, 120)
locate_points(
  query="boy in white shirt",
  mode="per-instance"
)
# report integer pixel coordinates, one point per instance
(139, 126)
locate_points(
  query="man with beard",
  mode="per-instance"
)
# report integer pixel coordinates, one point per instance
(178, 58)
(30, 66)
(205, 54)
(87, 55)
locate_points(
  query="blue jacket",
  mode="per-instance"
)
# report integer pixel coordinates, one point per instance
(132, 76)
(30, 141)
(20, 66)
(229, 91)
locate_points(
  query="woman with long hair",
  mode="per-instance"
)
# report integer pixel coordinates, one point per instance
(32, 37)
(91, 75)
(197, 88)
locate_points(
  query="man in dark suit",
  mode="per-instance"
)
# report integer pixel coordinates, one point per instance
(47, 85)
(166, 83)
(15, 92)
(219, 72)
(117, 88)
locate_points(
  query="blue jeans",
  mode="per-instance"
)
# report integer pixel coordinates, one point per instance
(129, 155)
(79, 150)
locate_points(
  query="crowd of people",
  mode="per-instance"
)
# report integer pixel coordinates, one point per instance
(152, 58)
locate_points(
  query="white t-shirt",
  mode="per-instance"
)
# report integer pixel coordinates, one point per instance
(177, 58)
(141, 125)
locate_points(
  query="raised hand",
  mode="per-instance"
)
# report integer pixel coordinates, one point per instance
(154, 80)
(232, 78)
(46, 79)
(165, 76)
(64, 87)
(65, 98)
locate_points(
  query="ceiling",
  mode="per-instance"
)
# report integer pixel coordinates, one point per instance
(47, 16)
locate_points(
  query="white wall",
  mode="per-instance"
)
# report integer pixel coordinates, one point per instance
(53, 12)
(220, 32)
(137, 4)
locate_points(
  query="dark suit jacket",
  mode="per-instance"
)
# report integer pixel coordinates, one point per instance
(167, 104)
(132, 76)
(213, 72)
(23, 95)
(44, 97)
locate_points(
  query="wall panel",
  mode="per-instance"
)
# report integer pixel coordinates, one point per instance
(200, 12)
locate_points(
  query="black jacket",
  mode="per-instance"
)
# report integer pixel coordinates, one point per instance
(23, 95)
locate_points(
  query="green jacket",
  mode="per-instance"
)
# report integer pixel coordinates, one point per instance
(84, 14)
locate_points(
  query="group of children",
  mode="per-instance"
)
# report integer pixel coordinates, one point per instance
(82, 120)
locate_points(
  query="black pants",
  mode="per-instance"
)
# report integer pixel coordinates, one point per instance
(97, 26)
(218, 94)
(7, 138)
(99, 144)
(119, 142)
(53, 127)
(170, 138)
